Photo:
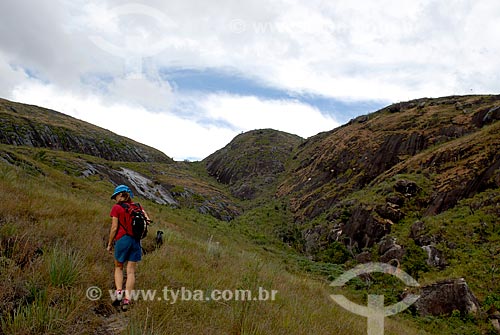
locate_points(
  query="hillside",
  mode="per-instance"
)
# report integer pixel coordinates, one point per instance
(416, 184)
(38, 127)
(405, 162)
(54, 222)
(426, 136)
(251, 163)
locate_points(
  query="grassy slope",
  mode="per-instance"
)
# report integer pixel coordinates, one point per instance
(331, 165)
(45, 231)
(18, 120)
(53, 227)
(251, 162)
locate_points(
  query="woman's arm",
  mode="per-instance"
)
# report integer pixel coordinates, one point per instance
(112, 232)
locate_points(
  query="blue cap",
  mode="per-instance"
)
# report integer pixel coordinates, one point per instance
(122, 188)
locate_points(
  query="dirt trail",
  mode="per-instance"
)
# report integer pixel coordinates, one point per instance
(115, 324)
(113, 320)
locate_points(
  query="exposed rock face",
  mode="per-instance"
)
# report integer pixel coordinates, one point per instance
(389, 250)
(486, 116)
(435, 257)
(365, 229)
(423, 135)
(418, 158)
(32, 126)
(251, 161)
(418, 233)
(147, 188)
(442, 298)
(138, 183)
(161, 193)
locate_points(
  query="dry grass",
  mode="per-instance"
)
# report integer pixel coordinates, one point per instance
(52, 249)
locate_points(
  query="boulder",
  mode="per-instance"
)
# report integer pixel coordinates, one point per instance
(386, 244)
(365, 229)
(364, 257)
(418, 234)
(444, 297)
(434, 257)
(406, 187)
(395, 199)
(389, 250)
(395, 253)
(492, 115)
(494, 317)
(390, 211)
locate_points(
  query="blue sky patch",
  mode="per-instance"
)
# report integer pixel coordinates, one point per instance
(231, 82)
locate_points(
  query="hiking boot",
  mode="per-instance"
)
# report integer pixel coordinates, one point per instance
(117, 297)
(125, 304)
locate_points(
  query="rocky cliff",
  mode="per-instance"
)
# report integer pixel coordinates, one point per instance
(403, 162)
(454, 140)
(43, 128)
(253, 161)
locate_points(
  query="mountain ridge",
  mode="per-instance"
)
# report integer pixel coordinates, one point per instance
(416, 183)
(35, 126)
(252, 161)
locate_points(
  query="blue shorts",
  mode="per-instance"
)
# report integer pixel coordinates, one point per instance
(128, 249)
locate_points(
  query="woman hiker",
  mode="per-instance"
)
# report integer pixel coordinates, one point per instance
(127, 248)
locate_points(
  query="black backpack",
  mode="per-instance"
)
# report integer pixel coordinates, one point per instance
(137, 220)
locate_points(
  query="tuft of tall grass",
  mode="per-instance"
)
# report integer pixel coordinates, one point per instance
(213, 249)
(64, 267)
(35, 318)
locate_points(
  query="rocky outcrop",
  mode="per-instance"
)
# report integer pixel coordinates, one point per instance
(432, 137)
(32, 126)
(138, 183)
(165, 194)
(435, 257)
(389, 250)
(250, 163)
(445, 297)
(219, 208)
(363, 228)
(147, 188)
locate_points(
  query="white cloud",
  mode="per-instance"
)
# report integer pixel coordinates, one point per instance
(9, 77)
(140, 91)
(178, 138)
(248, 112)
(220, 119)
(353, 50)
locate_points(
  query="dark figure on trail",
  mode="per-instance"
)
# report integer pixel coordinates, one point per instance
(159, 239)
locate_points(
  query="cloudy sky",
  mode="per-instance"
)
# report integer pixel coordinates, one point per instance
(187, 76)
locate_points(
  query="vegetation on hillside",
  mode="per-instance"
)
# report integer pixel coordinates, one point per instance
(416, 184)
(53, 229)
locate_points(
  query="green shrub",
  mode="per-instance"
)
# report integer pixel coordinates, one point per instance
(335, 253)
(414, 260)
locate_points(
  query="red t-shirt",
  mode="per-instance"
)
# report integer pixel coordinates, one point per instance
(119, 212)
